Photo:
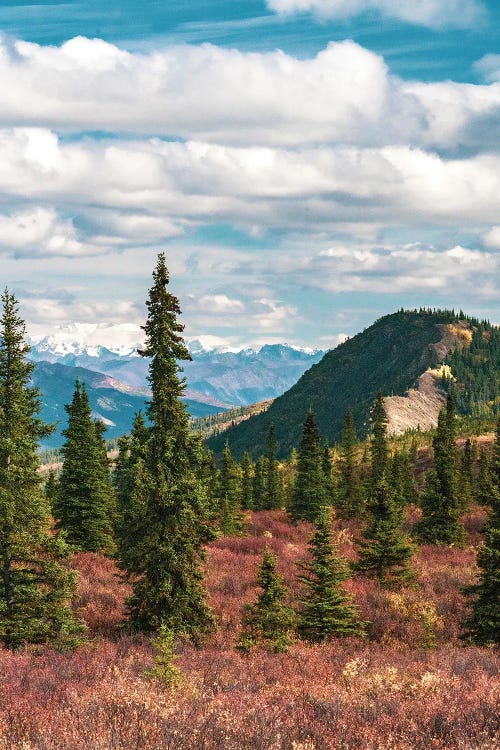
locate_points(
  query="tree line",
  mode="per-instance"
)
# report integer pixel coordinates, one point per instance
(166, 498)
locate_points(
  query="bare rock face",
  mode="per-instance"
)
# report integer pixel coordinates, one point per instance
(419, 409)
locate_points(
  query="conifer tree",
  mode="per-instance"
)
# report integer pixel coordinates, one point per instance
(259, 484)
(168, 590)
(51, 488)
(483, 626)
(35, 586)
(309, 494)
(131, 481)
(326, 609)
(272, 480)
(268, 621)
(247, 469)
(385, 551)
(85, 500)
(350, 501)
(484, 480)
(326, 463)
(465, 478)
(440, 499)
(229, 494)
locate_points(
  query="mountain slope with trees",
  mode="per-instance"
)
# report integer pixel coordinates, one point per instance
(388, 356)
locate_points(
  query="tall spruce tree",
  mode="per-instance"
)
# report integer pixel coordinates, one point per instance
(385, 551)
(326, 610)
(85, 504)
(168, 590)
(483, 626)
(269, 621)
(350, 501)
(309, 492)
(35, 586)
(440, 499)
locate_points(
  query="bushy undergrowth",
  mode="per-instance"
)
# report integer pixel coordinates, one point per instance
(410, 685)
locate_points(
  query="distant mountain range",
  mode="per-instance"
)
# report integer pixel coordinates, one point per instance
(412, 357)
(117, 379)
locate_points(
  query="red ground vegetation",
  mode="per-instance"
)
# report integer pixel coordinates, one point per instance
(411, 685)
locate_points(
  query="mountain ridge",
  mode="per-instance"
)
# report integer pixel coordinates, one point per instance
(390, 356)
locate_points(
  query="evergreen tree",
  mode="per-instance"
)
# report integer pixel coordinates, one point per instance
(35, 586)
(51, 488)
(465, 478)
(440, 499)
(272, 480)
(484, 480)
(268, 621)
(385, 551)
(350, 501)
(85, 500)
(483, 626)
(131, 481)
(259, 484)
(230, 514)
(379, 449)
(330, 494)
(247, 469)
(168, 590)
(309, 493)
(326, 609)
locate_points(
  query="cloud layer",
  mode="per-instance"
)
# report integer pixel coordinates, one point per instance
(436, 14)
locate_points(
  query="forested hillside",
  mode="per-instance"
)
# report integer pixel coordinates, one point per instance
(388, 356)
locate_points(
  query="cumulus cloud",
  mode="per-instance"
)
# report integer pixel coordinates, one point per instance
(409, 268)
(220, 303)
(436, 14)
(492, 238)
(345, 94)
(183, 184)
(489, 67)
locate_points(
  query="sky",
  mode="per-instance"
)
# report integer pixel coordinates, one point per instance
(306, 165)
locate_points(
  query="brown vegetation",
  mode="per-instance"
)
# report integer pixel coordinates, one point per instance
(411, 685)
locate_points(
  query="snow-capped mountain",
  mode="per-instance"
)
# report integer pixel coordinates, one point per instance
(217, 375)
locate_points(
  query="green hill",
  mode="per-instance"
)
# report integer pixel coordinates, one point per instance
(389, 356)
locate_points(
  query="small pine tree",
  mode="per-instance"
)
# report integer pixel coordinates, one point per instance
(350, 501)
(51, 488)
(85, 500)
(483, 626)
(440, 499)
(164, 657)
(268, 621)
(230, 513)
(330, 489)
(465, 478)
(35, 584)
(272, 478)
(309, 493)
(326, 609)
(247, 473)
(259, 484)
(385, 551)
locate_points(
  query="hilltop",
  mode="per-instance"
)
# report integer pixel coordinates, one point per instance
(402, 355)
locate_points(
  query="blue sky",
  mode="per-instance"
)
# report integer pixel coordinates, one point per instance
(307, 165)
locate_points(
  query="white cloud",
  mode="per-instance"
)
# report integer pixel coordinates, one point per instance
(220, 303)
(492, 238)
(304, 190)
(489, 67)
(274, 316)
(410, 268)
(436, 14)
(345, 94)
